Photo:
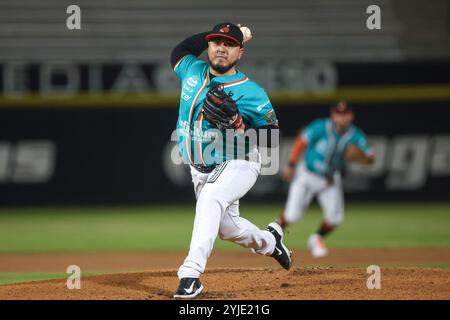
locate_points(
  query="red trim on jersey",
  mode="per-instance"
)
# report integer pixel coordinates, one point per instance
(235, 82)
(178, 62)
(199, 145)
(191, 114)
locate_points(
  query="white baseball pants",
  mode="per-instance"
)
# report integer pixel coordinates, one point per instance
(302, 190)
(217, 213)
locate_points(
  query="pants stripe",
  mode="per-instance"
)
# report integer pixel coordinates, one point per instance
(217, 172)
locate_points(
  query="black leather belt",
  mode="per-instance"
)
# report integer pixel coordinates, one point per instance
(329, 177)
(204, 169)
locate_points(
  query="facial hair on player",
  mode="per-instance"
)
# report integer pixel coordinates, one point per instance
(221, 69)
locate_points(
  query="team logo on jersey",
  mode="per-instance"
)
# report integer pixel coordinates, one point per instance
(187, 88)
(192, 81)
(261, 106)
(321, 146)
(271, 117)
(225, 29)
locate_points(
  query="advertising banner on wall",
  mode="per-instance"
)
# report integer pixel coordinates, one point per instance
(125, 155)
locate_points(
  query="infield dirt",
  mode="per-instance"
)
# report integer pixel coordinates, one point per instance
(238, 275)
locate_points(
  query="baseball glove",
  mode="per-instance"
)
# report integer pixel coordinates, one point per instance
(221, 110)
(355, 154)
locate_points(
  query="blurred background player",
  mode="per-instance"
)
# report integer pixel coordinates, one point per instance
(325, 144)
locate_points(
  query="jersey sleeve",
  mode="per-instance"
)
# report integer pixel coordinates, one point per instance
(183, 66)
(261, 112)
(312, 132)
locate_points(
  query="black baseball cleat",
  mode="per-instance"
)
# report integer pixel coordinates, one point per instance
(189, 288)
(281, 253)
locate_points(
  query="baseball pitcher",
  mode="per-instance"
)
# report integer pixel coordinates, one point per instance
(325, 145)
(216, 98)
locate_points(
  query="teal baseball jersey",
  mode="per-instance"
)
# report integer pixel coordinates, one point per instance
(326, 148)
(194, 132)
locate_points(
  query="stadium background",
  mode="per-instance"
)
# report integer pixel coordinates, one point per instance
(86, 118)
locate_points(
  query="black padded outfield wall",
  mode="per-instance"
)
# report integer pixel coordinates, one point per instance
(122, 155)
(118, 150)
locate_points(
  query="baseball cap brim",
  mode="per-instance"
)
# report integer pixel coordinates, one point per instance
(211, 36)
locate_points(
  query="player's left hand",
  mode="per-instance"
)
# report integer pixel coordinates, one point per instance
(355, 154)
(221, 110)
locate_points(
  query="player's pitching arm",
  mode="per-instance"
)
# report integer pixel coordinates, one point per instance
(193, 45)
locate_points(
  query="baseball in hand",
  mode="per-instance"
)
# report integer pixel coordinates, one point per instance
(247, 34)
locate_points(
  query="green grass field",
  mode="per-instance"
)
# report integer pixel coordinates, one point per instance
(163, 228)
(169, 227)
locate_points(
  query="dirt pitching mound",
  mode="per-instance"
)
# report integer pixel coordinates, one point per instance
(298, 283)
